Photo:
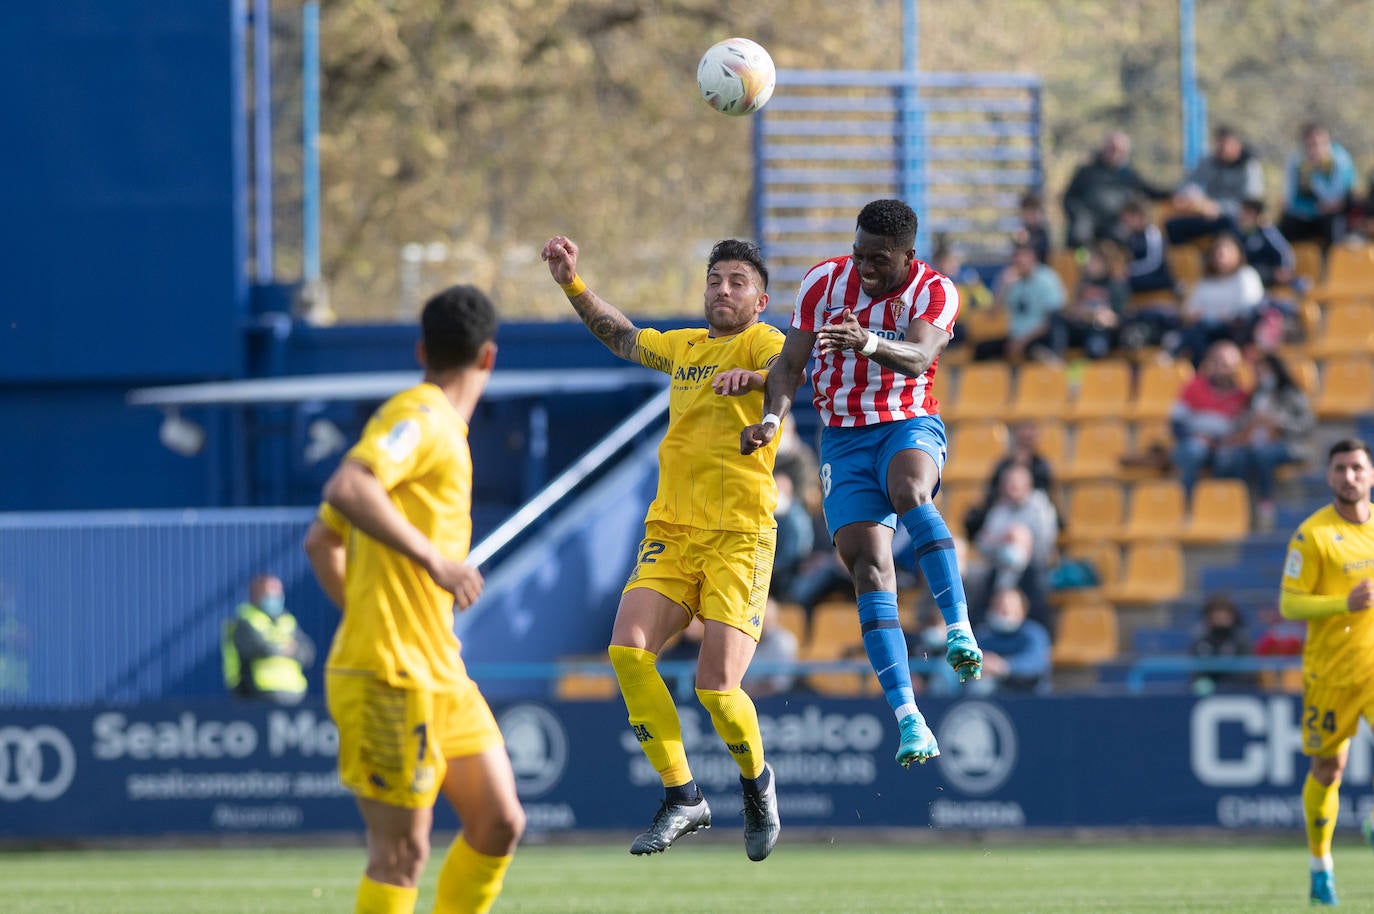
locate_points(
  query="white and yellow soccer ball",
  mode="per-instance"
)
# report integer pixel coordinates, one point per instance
(736, 76)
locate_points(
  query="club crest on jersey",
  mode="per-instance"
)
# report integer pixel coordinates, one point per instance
(897, 306)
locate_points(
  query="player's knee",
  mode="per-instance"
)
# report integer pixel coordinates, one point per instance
(1327, 771)
(398, 859)
(631, 664)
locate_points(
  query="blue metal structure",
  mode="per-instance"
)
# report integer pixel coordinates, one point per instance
(1193, 103)
(310, 128)
(962, 148)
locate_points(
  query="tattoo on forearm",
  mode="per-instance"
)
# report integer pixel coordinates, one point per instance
(606, 324)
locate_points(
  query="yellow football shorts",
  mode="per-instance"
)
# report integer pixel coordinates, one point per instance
(1330, 714)
(394, 743)
(721, 575)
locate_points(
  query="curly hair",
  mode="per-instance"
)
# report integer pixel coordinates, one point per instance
(735, 249)
(889, 219)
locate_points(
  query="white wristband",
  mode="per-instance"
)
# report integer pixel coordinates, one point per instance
(772, 419)
(870, 345)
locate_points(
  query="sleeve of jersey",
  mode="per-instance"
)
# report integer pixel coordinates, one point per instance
(767, 347)
(809, 313)
(655, 350)
(938, 303)
(395, 446)
(331, 518)
(1300, 569)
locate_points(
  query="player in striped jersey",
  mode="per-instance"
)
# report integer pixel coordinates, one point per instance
(878, 320)
(1327, 581)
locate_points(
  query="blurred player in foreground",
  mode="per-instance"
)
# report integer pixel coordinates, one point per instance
(880, 319)
(1326, 581)
(411, 722)
(709, 535)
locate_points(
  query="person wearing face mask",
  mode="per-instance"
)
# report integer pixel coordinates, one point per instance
(265, 652)
(1223, 635)
(1016, 650)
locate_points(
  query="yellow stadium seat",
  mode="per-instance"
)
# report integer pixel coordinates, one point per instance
(1085, 634)
(1105, 558)
(984, 323)
(1052, 441)
(954, 502)
(1155, 511)
(1097, 449)
(1185, 263)
(983, 392)
(586, 684)
(1094, 512)
(1346, 329)
(1042, 391)
(1220, 512)
(1152, 432)
(835, 635)
(1308, 257)
(791, 617)
(1347, 388)
(1158, 386)
(1151, 573)
(974, 449)
(1304, 372)
(1104, 389)
(1063, 262)
(1349, 274)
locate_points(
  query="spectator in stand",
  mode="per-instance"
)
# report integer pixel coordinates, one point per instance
(778, 646)
(1278, 427)
(1224, 304)
(1207, 419)
(1098, 190)
(1035, 229)
(1032, 295)
(796, 537)
(1148, 268)
(974, 295)
(1320, 182)
(1016, 649)
(1023, 450)
(1209, 202)
(1265, 247)
(1281, 637)
(1223, 635)
(1092, 319)
(1017, 539)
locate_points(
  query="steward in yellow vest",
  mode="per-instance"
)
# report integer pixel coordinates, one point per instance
(265, 652)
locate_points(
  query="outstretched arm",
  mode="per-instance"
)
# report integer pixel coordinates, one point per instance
(604, 320)
(779, 389)
(910, 357)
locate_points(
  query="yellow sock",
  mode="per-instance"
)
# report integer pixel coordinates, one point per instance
(1320, 805)
(652, 713)
(380, 898)
(469, 881)
(737, 722)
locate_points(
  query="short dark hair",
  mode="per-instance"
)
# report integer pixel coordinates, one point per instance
(889, 219)
(1347, 446)
(454, 324)
(1253, 204)
(735, 249)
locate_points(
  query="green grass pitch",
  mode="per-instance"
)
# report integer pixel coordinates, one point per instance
(710, 875)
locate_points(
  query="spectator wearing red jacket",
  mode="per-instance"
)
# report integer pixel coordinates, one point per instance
(1207, 419)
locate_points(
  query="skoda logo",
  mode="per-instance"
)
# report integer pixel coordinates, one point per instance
(977, 747)
(37, 764)
(538, 748)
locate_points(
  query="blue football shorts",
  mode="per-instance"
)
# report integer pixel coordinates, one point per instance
(854, 464)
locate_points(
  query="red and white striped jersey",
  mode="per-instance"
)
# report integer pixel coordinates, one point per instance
(851, 389)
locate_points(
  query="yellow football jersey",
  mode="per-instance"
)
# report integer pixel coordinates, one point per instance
(331, 518)
(703, 479)
(1327, 556)
(399, 623)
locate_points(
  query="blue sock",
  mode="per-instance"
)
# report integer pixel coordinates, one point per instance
(885, 644)
(935, 554)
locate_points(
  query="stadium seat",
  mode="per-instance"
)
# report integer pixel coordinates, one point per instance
(1157, 387)
(791, 617)
(954, 502)
(1042, 391)
(1304, 372)
(1104, 388)
(983, 391)
(984, 323)
(1063, 262)
(1155, 511)
(835, 635)
(974, 448)
(1220, 512)
(1052, 441)
(1308, 260)
(1346, 329)
(1287, 680)
(1097, 449)
(1151, 573)
(1349, 274)
(1185, 264)
(586, 685)
(1094, 513)
(1347, 388)
(1085, 634)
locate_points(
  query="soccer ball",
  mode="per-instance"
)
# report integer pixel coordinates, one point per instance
(736, 76)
